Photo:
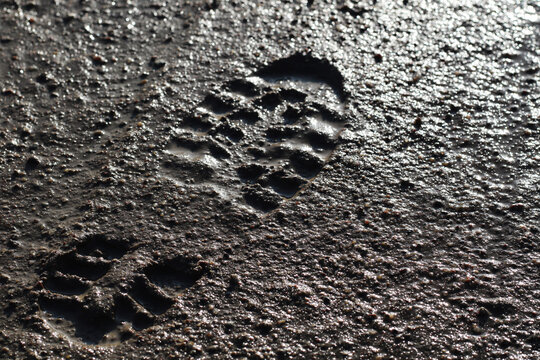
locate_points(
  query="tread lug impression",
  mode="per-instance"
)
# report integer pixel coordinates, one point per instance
(287, 115)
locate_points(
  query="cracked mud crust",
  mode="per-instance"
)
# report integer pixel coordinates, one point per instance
(295, 179)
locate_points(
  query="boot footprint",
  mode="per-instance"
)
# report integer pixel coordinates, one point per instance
(79, 301)
(265, 137)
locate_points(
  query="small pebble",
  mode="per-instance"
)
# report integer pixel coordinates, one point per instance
(4, 278)
(234, 281)
(98, 60)
(476, 329)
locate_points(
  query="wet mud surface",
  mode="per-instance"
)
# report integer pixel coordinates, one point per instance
(277, 179)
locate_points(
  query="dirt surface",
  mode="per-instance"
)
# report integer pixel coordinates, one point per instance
(269, 179)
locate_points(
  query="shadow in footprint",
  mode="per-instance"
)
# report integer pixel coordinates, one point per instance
(150, 296)
(305, 67)
(84, 266)
(178, 273)
(152, 289)
(286, 185)
(101, 246)
(89, 327)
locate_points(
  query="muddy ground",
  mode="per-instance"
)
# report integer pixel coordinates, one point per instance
(269, 179)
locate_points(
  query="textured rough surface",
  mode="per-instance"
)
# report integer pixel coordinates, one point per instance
(269, 179)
